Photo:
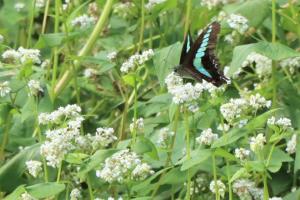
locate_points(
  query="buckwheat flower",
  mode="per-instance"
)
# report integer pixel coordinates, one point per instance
(214, 3)
(103, 137)
(263, 64)
(19, 6)
(242, 188)
(27, 196)
(83, 21)
(173, 80)
(34, 167)
(207, 137)
(138, 125)
(119, 167)
(45, 64)
(136, 60)
(34, 87)
(238, 23)
(257, 143)
(152, 3)
(275, 198)
(4, 88)
(257, 101)
(164, 137)
(142, 171)
(292, 64)
(271, 121)
(93, 9)
(242, 123)
(229, 38)
(1, 38)
(241, 153)
(223, 127)
(145, 56)
(257, 193)
(193, 107)
(233, 109)
(112, 55)
(11, 56)
(123, 9)
(89, 72)
(221, 187)
(75, 123)
(40, 3)
(29, 55)
(185, 93)
(75, 194)
(291, 145)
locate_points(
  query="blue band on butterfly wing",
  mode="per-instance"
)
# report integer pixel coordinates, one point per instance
(197, 63)
(188, 45)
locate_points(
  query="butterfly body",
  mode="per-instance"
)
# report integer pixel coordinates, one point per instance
(198, 59)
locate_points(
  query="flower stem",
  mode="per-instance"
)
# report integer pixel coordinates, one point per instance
(187, 17)
(228, 179)
(63, 82)
(90, 187)
(45, 17)
(274, 64)
(266, 192)
(5, 136)
(188, 152)
(30, 24)
(215, 177)
(59, 172)
(142, 25)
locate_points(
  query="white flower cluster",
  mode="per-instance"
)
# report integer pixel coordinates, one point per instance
(241, 153)
(4, 89)
(124, 165)
(291, 145)
(242, 188)
(291, 63)
(235, 108)
(89, 72)
(200, 184)
(83, 21)
(207, 137)
(138, 125)
(26, 196)
(75, 194)
(61, 140)
(123, 9)
(263, 64)
(164, 137)
(223, 127)
(275, 198)
(40, 3)
(238, 23)
(103, 137)
(257, 143)
(283, 122)
(136, 60)
(34, 167)
(22, 55)
(34, 87)
(19, 6)
(220, 186)
(214, 3)
(70, 111)
(152, 3)
(112, 55)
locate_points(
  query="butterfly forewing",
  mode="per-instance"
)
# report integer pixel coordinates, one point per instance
(188, 42)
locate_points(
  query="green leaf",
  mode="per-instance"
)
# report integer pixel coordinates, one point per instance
(278, 157)
(257, 166)
(16, 193)
(144, 145)
(242, 172)
(197, 157)
(44, 190)
(165, 60)
(223, 153)
(75, 158)
(275, 52)
(292, 195)
(28, 109)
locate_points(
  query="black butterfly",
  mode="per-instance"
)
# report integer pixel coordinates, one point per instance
(198, 59)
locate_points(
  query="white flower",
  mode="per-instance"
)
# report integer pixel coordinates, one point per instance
(138, 125)
(45, 64)
(1, 38)
(193, 107)
(242, 188)
(241, 153)
(34, 167)
(207, 137)
(136, 60)
(256, 193)
(229, 38)
(112, 55)
(283, 122)
(291, 145)
(29, 55)
(103, 137)
(11, 56)
(75, 194)
(164, 137)
(238, 23)
(89, 72)
(214, 3)
(275, 198)
(257, 101)
(120, 166)
(123, 9)
(257, 143)
(4, 89)
(19, 6)
(221, 187)
(152, 3)
(263, 64)
(40, 3)
(291, 63)
(27, 196)
(234, 109)
(142, 171)
(223, 127)
(83, 21)
(173, 80)
(34, 87)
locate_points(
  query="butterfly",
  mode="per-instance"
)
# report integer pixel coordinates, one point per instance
(198, 58)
